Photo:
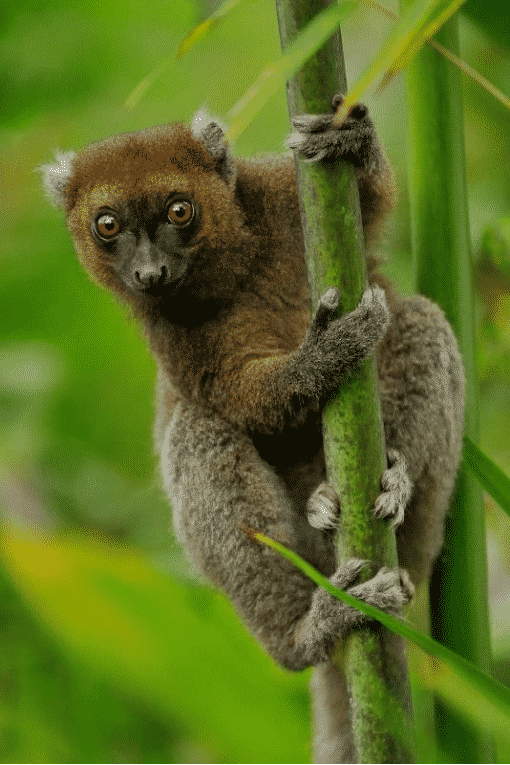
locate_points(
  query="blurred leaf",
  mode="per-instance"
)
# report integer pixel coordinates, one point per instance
(492, 18)
(492, 478)
(461, 694)
(404, 40)
(200, 31)
(54, 709)
(418, 39)
(496, 245)
(175, 644)
(275, 74)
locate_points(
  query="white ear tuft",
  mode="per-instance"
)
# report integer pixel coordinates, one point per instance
(201, 122)
(56, 177)
(211, 132)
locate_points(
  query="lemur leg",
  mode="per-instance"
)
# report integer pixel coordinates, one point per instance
(421, 381)
(221, 491)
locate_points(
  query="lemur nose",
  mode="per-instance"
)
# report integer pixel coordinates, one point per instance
(150, 276)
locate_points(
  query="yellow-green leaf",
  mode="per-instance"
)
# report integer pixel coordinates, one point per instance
(278, 72)
(202, 29)
(419, 39)
(417, 18)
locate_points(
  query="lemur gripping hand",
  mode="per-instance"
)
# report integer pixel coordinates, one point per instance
(333, 347)
(355, 141)
(330, 618)
(397, 489)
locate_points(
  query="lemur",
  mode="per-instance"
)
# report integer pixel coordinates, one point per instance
(207, 249)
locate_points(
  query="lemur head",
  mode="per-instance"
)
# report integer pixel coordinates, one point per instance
(152, 213)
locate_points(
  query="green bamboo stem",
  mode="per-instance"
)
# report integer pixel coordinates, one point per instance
(441, 246)
(352, 423)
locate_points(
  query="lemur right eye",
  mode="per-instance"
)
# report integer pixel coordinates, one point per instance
(107, 226)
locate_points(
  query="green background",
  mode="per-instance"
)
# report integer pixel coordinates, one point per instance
(107, 655)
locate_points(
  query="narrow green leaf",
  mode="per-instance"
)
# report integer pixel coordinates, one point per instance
(202, 29)
(276, 73)
(420, 39)
(492, 478)
(494, 707)
(143, 86)
(461, 694)
(196, 34)
(465, 68)
(408, 28)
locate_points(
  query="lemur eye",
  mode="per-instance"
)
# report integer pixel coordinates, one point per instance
(107, 226)
(181, 213)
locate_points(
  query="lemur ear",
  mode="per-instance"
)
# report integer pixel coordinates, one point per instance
(56, 177)
(211, 132)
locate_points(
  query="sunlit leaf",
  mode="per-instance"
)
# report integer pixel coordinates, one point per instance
(406, 31)
(278, 72)
(416, 42)
(465, 68)
(202, 29)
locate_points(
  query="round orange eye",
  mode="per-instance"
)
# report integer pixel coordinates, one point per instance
(181, 213)
(107, 226)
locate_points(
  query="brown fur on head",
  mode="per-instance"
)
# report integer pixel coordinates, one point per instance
(134, 176)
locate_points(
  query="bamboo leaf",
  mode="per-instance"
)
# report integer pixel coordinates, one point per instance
(143, 86)
(202, 29)
(485, 700)
(406, 31)
(275, 74)
(492, 478)
(465, 68)
(418, 40)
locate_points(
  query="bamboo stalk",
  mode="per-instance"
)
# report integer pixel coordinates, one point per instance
(441, 246)
(352, 424)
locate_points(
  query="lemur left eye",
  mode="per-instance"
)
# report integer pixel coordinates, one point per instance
(107, 226)
(181, 213)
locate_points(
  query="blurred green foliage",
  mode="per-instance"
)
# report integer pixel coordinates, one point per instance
(76, 391)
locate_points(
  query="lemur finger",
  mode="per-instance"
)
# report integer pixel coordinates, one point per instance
(323, 507)
(311, 123)
(397, 489)
(328, 304)
(358, 111)
(349, 573)
(388, 590)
